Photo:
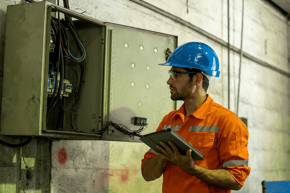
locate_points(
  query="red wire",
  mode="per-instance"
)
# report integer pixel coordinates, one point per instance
(56, 25)
(61, 40)
(64, 48)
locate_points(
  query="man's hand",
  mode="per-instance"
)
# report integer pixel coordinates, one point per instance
(219, 177)
(185, 162)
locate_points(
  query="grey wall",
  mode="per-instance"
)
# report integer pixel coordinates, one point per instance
(264, 97)
(99, 166)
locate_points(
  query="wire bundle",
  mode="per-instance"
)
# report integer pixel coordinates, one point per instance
(59, 62)
(127, 131)
(60, 32)
(65, 40)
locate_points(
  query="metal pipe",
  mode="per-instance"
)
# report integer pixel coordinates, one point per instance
(75, 14)
(208, 35)
(229, 69)
(241, 57)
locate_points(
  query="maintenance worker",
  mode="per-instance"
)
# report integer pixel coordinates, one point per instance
(215, 131)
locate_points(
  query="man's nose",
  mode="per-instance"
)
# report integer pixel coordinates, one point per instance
(170, 81)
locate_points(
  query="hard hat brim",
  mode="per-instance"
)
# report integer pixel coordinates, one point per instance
(207, 74)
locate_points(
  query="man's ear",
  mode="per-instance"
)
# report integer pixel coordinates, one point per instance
(199, 79)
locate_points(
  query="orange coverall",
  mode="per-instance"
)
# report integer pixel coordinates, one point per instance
(218, 134)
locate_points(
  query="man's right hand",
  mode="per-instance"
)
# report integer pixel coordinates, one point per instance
(152, 168)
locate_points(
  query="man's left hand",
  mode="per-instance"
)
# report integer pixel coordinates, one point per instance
(185, 162)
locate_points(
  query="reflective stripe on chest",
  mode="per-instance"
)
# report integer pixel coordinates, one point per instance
(173, 127)
(214, 129)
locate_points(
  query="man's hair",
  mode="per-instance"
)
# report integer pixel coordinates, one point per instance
(205, 83)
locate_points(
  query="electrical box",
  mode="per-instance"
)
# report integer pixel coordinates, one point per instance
(245, 120)
(109, 73)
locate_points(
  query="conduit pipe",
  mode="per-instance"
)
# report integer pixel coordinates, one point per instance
(229, 69)
(241, 57)
(208, 35)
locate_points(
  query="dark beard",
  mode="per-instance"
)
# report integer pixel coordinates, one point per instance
(176, 98)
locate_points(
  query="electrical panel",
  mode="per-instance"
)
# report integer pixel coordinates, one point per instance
(70, 76)
(245, 120)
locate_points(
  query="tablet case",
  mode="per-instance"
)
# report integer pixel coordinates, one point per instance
(153, 139)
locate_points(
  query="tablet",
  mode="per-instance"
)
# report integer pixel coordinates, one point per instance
(153, 139)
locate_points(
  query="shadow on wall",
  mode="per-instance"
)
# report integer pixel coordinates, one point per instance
(121, 116)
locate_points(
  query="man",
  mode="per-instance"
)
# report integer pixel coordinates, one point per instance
(215, 131)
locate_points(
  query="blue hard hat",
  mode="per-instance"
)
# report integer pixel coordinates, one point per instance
(195, 55)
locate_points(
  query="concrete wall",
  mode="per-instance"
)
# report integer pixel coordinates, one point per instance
(264, 98)
(100, 166)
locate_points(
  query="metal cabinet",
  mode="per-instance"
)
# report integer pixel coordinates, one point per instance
(121, 80)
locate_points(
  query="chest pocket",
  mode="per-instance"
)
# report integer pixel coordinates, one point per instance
(201, 140)
(202, 137)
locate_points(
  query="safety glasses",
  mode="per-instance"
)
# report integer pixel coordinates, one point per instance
(173, 73)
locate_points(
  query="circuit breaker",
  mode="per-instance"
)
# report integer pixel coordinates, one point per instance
(70, 77)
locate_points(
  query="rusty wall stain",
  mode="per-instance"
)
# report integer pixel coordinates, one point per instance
(62, 156)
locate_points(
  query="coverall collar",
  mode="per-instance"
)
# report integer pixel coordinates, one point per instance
(201, 111)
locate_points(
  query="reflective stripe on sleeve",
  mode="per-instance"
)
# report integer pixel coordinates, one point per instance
(152, 150)
(235, 163)
(173, 127)
(204, 129)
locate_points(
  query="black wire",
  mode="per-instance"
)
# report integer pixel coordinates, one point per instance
(72, 125)
(56, 93)
(75, 35)
(67, 17)
(76, 99)
(61, 105)
(64, 39)
(81, 48)
(55, 90)
(127, 131)
(59, 52)
(59, 121)
(62, 74)
(63, 35)
(101, 131)
(16, 145)
(74, 71)
(77, 95)
(81, 82)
